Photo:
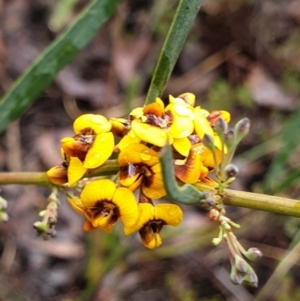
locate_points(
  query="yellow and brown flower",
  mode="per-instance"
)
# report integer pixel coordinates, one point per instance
(92, 145)
(140, 167)
(158, 125)
(152, 219)
(102, 204)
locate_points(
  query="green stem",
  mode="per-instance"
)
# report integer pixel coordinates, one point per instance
(24, 178)
(111, 167)
(231, 197)
(262, 202)
(182, 22)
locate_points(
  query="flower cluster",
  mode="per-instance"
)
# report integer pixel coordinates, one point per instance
(137, 140)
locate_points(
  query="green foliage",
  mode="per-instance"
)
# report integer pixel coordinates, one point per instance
(281, 174)
(222, 94)
(44, 69)
(180, 27)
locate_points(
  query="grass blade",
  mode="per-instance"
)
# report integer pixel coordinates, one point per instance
(185, 15)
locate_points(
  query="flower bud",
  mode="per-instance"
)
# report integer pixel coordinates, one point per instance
(240, 264)
(241, 129)
(231, 171)
(235, 277)
(217, 240)
(230, 140)
(253, 254)
(208, 141)
(40, 227)
(251, 278)
(209, 203)
(221, 127)
(58, 174)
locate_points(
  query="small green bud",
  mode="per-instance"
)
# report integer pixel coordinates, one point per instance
(221, 127)
(253, 254)
(231, 170)
(40, 227)
(230, 140)
(235, 277)
(208, 141)
(240, 264)
(251, 278)
(42, 213)
(241, 129)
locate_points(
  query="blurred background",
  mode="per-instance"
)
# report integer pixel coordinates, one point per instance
(242, 56)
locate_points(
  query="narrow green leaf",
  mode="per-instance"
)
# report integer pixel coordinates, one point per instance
(44, 69)
(185, 15)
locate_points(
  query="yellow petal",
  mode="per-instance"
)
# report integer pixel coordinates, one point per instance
(153, 186)
(175, 100)
(145, 214)
(225, 115)
(97, 123)
(100, 150)
(120, 126)
(150, 134)
(190, 171)
(128, 209)
(137, 112)
(182, 119)
(87, 226)
(74, 148)
(202, 125)
(189, 98)
(171, 214)
(97, 191)
(57, 175)
(75, 170)
(160, 102)
(137, 154)
(208, 159)
(154, 108)
(77, 205)
(128, 139)
(182, 145)
(103, 222)
(129, 175)
(151, 240)
(203, 112)
(215, 115)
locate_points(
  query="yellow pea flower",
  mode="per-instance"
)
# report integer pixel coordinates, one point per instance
(152, 219)
(140, 166)
(102, 204)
